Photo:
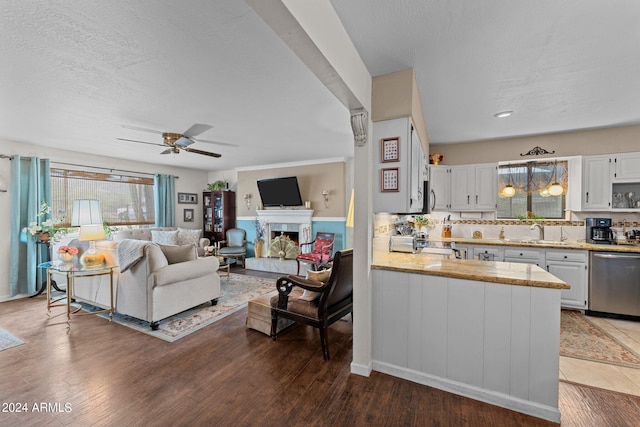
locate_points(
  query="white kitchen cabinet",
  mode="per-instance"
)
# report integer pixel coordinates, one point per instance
(626, 167)
(488, 253)
(474, 187)
(572, 267)
(596, 183)
(439, 187)
(525, 255)
(410, 165)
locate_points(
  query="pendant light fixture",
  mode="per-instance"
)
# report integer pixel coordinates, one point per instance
(555, 189)
(509, 190)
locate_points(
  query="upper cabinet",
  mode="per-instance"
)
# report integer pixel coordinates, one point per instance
(474, 187)
(611, 182)
(439, 188)
(626, 166)
(400, 167)
(596, 183)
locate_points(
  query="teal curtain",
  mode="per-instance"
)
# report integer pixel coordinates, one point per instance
(30, 186)
(165, 200)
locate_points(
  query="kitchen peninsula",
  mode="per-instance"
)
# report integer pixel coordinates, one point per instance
(485, 330)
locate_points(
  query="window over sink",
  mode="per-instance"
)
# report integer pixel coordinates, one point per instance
(525, 190)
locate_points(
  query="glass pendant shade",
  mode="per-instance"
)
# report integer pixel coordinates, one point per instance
(555, 189)
(509, 191)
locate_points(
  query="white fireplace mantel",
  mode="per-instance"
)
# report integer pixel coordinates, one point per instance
(298, 220)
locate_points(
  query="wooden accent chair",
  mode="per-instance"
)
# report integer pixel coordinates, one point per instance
(321, 252)
(335, 299)
(235, 245)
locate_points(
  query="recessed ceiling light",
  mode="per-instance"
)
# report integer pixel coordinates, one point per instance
(503, 114)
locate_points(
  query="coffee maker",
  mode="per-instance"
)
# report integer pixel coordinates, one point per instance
(599, 230)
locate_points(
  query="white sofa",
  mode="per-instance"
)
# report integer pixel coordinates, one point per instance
(152, 289)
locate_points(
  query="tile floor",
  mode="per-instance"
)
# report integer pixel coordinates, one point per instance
(603, 375)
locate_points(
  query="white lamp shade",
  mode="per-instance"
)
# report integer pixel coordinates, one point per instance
(86, 212)
(92, 232)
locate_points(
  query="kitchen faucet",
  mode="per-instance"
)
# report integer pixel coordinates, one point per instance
(540, 230)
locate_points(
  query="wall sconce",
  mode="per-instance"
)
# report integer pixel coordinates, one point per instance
(325, 194)
(247, 200)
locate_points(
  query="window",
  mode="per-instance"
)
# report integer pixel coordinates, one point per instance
(531, 181)
(125, 200)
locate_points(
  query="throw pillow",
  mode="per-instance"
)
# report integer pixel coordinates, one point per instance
(319, 276)
(189, 236)
(164, 237)
(176, 254)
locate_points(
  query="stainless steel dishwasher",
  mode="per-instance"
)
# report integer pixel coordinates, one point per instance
(614, 284)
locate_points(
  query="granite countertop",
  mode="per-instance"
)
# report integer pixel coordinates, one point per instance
(508, 273)
(567, 244)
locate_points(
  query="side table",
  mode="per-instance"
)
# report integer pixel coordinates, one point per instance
(73, 272)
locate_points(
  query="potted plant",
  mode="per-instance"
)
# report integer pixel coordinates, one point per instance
(45, 228)
(217, 185)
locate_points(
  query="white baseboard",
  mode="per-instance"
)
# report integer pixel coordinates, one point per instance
(494, 398)
(358, 369)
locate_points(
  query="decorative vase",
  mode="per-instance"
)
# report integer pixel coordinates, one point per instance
(43, 237)
(65, 256)
(258, 248)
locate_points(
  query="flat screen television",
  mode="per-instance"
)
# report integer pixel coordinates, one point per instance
(280, 192)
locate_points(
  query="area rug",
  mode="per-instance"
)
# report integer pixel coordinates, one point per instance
(582, 339)
(237, 290)
(8, 341)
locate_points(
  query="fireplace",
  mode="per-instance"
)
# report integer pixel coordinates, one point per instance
(295, 223)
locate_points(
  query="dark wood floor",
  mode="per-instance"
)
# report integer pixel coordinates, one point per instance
(226, 375)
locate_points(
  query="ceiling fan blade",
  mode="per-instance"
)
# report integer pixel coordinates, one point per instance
(141, 129)
(196, 130)
(140, 142)
(183, 142)
(226, 144)
(204, 153)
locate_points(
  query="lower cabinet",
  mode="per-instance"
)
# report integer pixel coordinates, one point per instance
(572, 267)
(525, 256)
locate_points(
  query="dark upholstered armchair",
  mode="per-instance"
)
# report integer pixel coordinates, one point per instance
(235, 245)
(321, 251)
(335, 299)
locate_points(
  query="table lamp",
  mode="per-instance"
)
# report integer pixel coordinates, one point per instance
(86, 214)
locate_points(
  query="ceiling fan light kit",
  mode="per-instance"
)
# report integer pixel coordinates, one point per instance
(177, 141)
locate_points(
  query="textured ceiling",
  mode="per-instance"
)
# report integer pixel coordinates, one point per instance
(75, 72)
(77, 75)
(559, 65)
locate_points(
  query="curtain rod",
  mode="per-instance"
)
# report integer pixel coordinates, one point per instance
(4, 156)
(107, 169)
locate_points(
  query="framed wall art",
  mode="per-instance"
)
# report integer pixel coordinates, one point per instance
(389, 179)
(390, 149)
(188, 215)
(188, 198)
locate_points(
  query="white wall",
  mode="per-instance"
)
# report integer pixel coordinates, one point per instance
(189, 181)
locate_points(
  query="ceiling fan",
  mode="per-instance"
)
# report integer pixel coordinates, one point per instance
(179, 141)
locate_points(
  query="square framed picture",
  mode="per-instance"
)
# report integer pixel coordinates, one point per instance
(390, 179)
(390, 149)
(188, 215)
(188, 198)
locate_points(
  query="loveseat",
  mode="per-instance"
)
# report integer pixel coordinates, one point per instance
(164, 281)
